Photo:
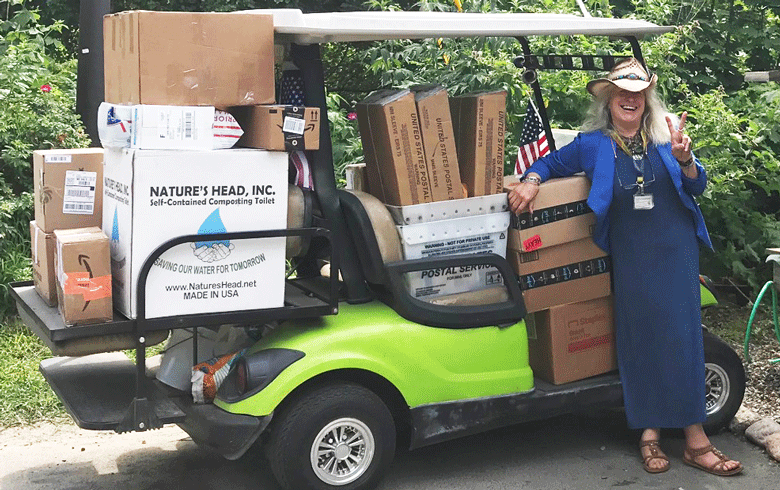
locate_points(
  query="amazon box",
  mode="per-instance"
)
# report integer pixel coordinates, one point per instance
(279, 127)
(216, 59)
(561, 214)
(152, 196)
(393, 147)
(44, 276)
(566, 273)
(438, 137)
(68, 188)
(572, 342)
(480, 128)
(83, 265)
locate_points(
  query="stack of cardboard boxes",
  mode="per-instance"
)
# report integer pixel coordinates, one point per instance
(173, 83)
(565, 279)
(437, 163)
(69, 252)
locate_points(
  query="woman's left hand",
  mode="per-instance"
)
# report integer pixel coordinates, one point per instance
(681, 142)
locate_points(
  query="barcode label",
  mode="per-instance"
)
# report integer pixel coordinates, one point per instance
(188, 122)
(294, 125)
(79, 192)
(57, 158)
(78, 208)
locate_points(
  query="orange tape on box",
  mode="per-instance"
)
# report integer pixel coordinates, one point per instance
(91, 288)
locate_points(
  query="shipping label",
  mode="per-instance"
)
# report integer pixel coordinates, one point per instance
(79, 192)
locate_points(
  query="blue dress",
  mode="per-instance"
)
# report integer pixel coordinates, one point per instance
(655, 259)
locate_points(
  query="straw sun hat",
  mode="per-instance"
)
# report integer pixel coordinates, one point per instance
(628, 74)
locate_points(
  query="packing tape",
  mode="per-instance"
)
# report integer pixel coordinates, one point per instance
(549, 215)
(91, 288)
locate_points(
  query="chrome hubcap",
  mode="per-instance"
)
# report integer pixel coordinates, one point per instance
(717, 387)
(342, 451)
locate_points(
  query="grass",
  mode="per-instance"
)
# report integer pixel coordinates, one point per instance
(26, 397)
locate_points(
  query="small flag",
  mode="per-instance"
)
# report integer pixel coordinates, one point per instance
(291, 93)
(533, 140)
(303, 177)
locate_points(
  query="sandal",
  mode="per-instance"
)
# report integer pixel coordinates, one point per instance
(655, 453)
(690, 455)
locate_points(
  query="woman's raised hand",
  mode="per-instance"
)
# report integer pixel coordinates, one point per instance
(681, 142)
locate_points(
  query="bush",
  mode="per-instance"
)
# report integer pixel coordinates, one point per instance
(37, 111)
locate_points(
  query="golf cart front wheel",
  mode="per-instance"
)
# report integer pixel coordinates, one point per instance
(724, 378)
(337, 437)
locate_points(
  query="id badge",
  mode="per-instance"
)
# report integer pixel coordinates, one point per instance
(643, 201)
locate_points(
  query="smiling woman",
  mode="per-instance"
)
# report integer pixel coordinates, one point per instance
(643, 181)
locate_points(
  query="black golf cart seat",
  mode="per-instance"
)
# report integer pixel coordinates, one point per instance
(380, 254)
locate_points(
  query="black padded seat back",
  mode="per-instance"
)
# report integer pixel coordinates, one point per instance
(373, 231)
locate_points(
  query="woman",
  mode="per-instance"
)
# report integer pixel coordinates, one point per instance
(643, 179)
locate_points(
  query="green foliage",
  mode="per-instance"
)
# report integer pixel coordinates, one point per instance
(744, 177)
(27, 398)
(37, 111)
(347, 147)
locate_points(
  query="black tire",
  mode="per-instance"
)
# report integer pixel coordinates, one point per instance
(315, 416)
(725, 383)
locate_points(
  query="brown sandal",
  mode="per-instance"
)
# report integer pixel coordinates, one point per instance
(690, 455)
(655, 453)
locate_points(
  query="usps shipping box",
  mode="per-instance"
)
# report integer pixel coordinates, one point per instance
(567, 273)
(572, 342)
(153, 196)
(480, 131)
(216, 59)
(44, 277)
(68, 188)
(279, 127)
(561, 214)
(477, 234)
(439, 142)
(83, 267)
(395, 156)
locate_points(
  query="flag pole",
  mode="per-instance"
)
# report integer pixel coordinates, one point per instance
(538, 96)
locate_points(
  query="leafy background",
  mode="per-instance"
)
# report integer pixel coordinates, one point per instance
(700, 65)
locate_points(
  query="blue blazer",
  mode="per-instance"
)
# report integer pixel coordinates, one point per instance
(593, 153)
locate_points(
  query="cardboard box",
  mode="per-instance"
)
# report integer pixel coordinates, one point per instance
(480, 127)
(561, 214)
(279, 127)
(572, 342)
(152, 196)
(393, 146)
(438, 137)
(470, 235)
(43, 272)
(68, 187)
(566, 273)
(216, 59)
(83, 265)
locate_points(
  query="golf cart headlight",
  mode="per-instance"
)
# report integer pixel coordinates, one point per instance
(253, 372)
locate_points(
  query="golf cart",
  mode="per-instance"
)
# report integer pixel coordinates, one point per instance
(352, 366)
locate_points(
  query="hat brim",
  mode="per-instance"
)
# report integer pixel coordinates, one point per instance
(596, 86)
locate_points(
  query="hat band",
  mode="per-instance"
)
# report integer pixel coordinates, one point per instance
(630, 76)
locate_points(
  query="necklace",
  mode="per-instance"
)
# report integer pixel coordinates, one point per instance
(632, 146)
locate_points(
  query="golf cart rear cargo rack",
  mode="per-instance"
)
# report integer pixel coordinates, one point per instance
(106, 390)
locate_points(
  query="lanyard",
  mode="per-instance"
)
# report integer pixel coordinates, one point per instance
(637, 157)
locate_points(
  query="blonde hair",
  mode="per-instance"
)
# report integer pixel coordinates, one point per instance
(598, 117)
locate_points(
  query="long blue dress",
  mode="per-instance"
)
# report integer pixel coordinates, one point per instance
(655, 257)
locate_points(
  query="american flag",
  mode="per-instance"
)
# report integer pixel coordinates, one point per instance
(291, 93)
(533, 140)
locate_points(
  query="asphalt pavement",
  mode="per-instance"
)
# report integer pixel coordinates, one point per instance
(566, 453)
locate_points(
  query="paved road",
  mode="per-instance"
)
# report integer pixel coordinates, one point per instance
(565, 453)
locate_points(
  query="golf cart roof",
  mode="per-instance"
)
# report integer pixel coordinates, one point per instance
(292, 25)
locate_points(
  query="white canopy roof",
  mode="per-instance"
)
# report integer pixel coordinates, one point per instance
(292, 25)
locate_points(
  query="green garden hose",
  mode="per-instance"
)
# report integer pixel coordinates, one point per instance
(769, 285)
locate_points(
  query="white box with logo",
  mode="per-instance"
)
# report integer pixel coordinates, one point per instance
(153, 196)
